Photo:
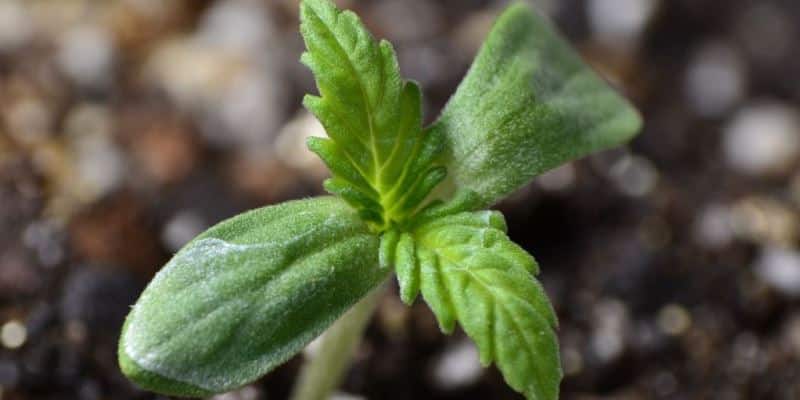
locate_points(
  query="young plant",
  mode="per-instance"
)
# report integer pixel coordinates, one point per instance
(252, 291)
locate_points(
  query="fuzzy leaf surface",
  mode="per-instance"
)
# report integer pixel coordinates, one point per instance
(528, 104)
(379, 156)
(470, 272)
(247, 295)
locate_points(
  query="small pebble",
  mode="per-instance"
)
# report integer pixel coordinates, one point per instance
(674, 320)
(239, 26)
(713, 227)
(559, 179)
(86, 55)
(182, 228)
(571, 361)
(16, 27)
(237, 99)
(766, 221)
(13, 334)
(253, 106)
(763, 139)
(610, 322)
(780, 269)
(618, 23)
(291, 149)
(313, 348)
(635, 176)
(100, 164)
(458, 366)
(716, 79)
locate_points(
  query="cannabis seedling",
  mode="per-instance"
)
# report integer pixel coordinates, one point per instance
(252, 291)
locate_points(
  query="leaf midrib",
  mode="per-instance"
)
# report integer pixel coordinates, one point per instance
(494, 298)
(375, 179)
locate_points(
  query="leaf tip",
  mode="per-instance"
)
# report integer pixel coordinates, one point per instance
(313, 104)
(388, 248)
(447, 326)
(408, 299)
(307, 59)
(154, 382)
(316, 144)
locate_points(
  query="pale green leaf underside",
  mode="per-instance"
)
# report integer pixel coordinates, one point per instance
(469, 271)
(380, 159)
(528, 104)
(247, 295)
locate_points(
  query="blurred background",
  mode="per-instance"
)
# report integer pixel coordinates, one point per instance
(127, 127)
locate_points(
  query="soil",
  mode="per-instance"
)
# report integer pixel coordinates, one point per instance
(673, 265)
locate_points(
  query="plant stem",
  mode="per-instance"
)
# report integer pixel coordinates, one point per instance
(323, 373)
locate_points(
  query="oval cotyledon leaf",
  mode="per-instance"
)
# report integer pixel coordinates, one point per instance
(528, 104)
(247, 295)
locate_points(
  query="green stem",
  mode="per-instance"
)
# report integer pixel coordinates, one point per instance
(323, 373)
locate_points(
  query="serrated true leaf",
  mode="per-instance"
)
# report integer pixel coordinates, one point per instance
(468, 271)
(381, 161)
(528, 104)
(248, 294)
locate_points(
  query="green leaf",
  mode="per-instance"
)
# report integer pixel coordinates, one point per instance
(528, 104)
(469, 271)
(248, 294)
(380, 158)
